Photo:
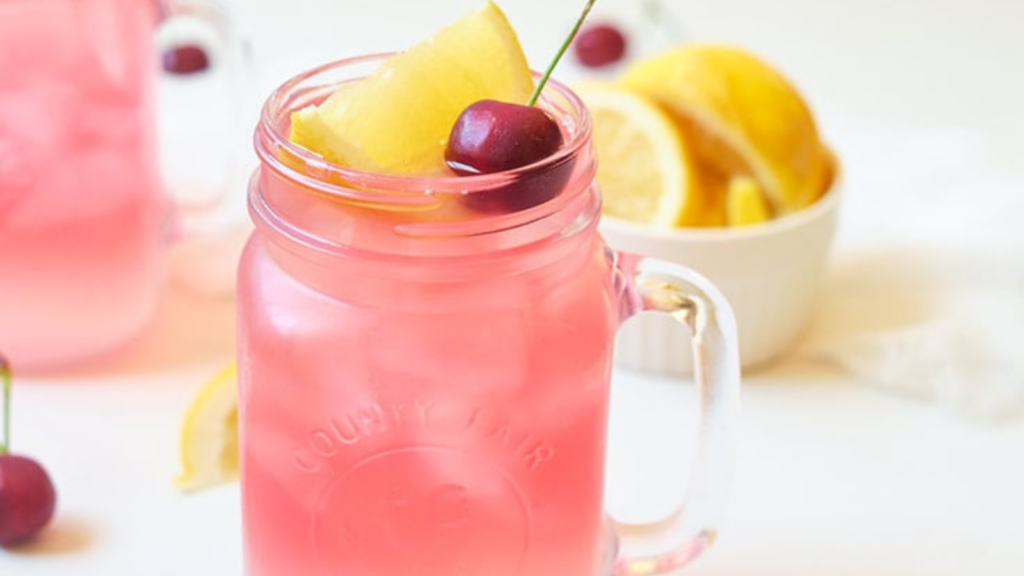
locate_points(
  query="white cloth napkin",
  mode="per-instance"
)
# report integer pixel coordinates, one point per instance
(969, 360)
(926, 292)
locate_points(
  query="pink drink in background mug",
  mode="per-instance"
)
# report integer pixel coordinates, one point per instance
(84, 222)
(424, 389)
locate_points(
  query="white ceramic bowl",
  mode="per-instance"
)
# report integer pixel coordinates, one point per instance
(769, 273)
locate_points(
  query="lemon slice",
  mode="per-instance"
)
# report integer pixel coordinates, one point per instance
(747, 117)
(209, 434)
(397, 120)
(644, 167)
(745, 203)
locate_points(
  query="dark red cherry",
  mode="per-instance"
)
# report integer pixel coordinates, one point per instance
(491, 136)
(600, 45)
(27, 498)
(185, 59)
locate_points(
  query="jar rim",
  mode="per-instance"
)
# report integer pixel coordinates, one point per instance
(391, 189)
(412, 208)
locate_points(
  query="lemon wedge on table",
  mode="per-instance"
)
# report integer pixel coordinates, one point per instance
(397, 119)
(644, 167)
(743, 116)
(209, 434)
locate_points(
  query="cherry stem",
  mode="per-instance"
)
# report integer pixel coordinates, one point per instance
(558, 55)
(5, 376)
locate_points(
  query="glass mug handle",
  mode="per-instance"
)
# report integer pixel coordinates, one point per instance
(652, 285)
(207, 229)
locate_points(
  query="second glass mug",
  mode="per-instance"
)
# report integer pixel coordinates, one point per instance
(84, 220)
(424, 388)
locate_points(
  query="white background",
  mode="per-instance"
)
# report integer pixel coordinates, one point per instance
(920, 98)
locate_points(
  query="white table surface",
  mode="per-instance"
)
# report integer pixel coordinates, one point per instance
(834, 477)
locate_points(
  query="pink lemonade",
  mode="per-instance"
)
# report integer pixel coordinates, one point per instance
(81, 209)
(433, 428)
(424, 387)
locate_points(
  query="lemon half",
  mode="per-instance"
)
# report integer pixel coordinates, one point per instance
(644, 166)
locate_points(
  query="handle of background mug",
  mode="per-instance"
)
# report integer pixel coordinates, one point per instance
(652, 285)
(207, 229)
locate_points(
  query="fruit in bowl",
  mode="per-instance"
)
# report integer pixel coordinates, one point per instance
(710, 157)
(769, 272)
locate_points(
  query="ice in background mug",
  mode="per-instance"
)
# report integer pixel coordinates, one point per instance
(84, 220)
(424, 389)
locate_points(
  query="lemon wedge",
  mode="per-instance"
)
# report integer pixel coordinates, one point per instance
(397, 120)
(644, 166)
(745, 204)
(745, 116)
(209, 434)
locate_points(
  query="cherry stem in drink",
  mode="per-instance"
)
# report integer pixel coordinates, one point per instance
(5, 377)
(558, 55)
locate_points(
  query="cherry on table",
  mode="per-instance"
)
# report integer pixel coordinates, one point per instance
(185, 59)
(600, 45)
(27, 498)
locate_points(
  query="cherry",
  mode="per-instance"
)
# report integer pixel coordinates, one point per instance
(27, 496)
(491, 136)
(185, 59)
(600, 45)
